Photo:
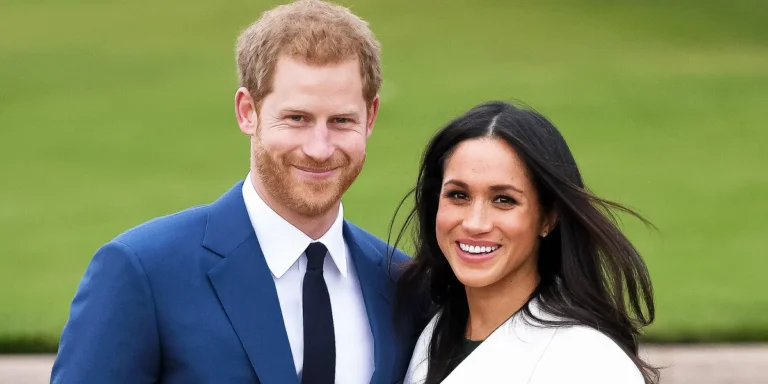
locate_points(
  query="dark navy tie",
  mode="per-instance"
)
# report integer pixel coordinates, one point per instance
(319, 338)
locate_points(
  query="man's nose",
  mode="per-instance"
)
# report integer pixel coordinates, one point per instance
(318, 145)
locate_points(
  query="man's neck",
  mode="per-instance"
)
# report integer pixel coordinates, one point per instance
(313, 226)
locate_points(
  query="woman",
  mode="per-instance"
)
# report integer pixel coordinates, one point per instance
(529, 277)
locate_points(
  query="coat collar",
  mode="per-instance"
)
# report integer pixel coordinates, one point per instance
(520, 339)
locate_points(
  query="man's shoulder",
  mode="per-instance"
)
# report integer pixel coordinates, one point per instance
(383, 250)
(166, 231)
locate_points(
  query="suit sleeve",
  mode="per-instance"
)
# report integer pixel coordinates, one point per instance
(111, 335)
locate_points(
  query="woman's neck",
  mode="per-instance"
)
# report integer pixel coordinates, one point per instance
(491, 306)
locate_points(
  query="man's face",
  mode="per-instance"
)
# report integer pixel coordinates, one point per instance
(309, 137)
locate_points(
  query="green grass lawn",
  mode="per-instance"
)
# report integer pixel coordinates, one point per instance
(111, 114)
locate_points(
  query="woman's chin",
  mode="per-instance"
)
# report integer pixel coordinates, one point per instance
(475, 279)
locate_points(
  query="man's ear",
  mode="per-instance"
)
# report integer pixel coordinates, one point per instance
(373, 112)
(245, 111)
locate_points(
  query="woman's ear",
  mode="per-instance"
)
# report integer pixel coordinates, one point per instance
(548, 223)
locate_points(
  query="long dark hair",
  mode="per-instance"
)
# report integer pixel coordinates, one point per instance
(590, 273)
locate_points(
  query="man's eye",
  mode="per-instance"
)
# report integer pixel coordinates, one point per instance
(296, 118)
(340, 120)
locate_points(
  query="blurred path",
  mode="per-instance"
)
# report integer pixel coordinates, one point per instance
(715, 364)
(27, 369)
(711, 364)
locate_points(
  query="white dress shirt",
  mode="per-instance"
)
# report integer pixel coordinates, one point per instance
(283, 246)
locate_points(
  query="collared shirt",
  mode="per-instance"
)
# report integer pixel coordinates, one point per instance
(283, 246)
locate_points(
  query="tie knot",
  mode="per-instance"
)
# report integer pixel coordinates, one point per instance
(315, 256)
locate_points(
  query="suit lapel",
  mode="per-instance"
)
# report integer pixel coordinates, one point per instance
(376, 289)
(243, 283)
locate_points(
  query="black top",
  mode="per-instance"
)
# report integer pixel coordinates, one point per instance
(467, 347)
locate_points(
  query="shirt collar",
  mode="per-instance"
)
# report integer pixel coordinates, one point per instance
(281, 242)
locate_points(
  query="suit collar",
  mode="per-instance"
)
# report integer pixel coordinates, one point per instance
(372, 260)
(228, 222)
(377, 294)
(283, 243)
(243, 283)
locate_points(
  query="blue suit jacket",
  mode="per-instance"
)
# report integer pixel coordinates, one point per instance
(188, 298)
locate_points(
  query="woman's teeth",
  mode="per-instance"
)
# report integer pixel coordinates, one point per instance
(477, 249)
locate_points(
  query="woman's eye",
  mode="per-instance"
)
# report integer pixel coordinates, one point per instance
(456, 195)
(504, 200)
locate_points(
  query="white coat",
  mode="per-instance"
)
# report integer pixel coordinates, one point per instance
(521, 351)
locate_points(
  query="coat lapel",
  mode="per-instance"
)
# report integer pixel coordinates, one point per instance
(376, 288)
(243, 283)
(509, 355)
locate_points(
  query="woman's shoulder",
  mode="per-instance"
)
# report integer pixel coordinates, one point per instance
(417, 369)
(572, 334)
(579, 351)
(422, 345)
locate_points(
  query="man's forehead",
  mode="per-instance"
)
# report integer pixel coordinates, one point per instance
(317, 104)
(289, 70)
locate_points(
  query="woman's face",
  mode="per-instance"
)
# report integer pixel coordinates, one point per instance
(489, 218)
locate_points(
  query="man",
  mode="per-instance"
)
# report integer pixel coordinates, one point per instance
(268, 284)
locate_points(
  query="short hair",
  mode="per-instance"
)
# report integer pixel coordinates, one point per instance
(314, 31)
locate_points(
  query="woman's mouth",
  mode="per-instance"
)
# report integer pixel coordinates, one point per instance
(474, 251)
(477, 250)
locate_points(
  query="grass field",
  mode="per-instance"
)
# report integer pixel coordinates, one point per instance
(113, 113)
